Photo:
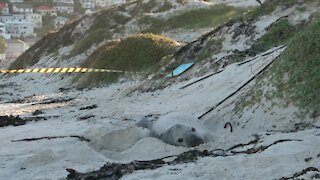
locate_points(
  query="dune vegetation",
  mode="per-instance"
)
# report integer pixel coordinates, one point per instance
(137, 53)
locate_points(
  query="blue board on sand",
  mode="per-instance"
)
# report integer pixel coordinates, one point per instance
(181, 69)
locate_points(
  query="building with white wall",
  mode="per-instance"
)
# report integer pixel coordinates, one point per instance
(22, 8)
(17, 26)
(107, 3)
(64, 8)
(20, 29)
(45, 10)
(3, 31)
(60, 21)
(88, 4)
(64, 1)
(13, 17)
(35, 19)
(16, 1)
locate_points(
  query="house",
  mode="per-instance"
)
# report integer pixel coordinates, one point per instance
(15, 48)
(2, 56)
(14, 17)
(107, 3)
(64, 8)
(44, 10)
(60, 21)
(35, 19)
(4, 8)
(16, 1)
(3, 31)
(41, 1)
(88, 4)
(19, 29)
(64, 1)
(22, 8)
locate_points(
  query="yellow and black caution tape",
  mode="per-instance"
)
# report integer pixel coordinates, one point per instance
(63, 70)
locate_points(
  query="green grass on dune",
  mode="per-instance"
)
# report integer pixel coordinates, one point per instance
(136, 53)
(199, 18)
(295, 75)
(270, 6)
(100, 30)
(94, 37)
(297, 72)
(278, 34)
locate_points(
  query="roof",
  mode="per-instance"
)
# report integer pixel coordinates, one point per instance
(64, 4)
(23, 5)
(60, 18)
(2, 5)
(43, 8)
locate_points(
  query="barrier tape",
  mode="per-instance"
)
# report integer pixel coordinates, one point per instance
(63, 70)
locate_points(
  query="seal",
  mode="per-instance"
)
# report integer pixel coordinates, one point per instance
(176, 128)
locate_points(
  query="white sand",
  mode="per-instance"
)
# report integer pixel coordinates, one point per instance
(49, 158)
(114, 139)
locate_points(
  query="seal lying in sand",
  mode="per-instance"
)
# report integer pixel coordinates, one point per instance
(177, 129)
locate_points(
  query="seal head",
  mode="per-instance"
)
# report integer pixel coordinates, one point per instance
(176, 128)
(182, 135)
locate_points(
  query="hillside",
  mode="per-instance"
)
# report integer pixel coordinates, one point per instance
(253, 86)
(86, 34)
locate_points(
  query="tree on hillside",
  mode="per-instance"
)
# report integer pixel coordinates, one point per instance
(3, 46)
(78, 8)
(259, 2)
(4, 1)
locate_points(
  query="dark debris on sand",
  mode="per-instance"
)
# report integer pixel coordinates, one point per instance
(17, 121)
(11, 121)
(89, 107)
(112, 171)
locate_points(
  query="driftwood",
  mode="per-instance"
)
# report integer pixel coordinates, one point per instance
(81, 138)
(262, 148)
(89, 107)
(262, 55)
(303, 172)
(54, 101)
(297, 127)
(255, 141)
(201, 79)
